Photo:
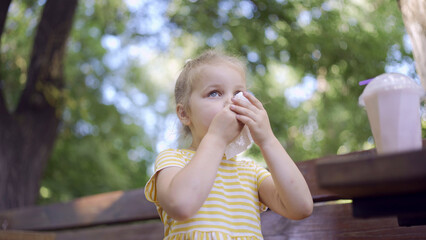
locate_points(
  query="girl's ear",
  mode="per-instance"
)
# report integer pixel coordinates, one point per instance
(182, 115)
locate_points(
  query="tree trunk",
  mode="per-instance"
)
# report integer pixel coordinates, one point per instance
(4, 7)
(28, 134)
(414, 17)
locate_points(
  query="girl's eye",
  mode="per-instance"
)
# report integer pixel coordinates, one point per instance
(236, 92)
(214, 94)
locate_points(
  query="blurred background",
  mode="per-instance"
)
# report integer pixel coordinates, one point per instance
(304, 58)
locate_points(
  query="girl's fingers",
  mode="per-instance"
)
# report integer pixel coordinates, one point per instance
(245, 120)
(245, 104)
(253, 100)
(241, 110)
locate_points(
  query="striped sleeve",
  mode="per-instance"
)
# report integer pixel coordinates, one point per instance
(261, 174)
(165, 159)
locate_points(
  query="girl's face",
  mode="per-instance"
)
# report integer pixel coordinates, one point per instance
(211, 92)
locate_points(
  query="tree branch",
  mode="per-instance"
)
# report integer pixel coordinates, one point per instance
(4, 7)
(413, 15)
(3, 108)
(45, 72)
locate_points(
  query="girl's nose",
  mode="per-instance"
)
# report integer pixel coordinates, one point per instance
(228, 100)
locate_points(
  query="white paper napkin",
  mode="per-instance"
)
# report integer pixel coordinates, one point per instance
(242, 141)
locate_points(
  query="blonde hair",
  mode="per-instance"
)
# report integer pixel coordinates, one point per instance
(189, 74)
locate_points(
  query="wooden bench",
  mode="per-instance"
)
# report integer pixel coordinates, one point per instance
(128, 215)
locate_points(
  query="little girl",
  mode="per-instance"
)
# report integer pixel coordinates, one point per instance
(199, 193)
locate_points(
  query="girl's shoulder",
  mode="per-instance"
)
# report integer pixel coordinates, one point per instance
(176, 153)
(243, 162)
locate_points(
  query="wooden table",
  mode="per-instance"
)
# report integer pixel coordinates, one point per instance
(379, 185)
(24, 235)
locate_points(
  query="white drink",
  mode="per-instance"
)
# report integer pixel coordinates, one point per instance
(392, 102)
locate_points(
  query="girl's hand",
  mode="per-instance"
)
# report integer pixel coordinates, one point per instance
(255, 117)
(225, 125)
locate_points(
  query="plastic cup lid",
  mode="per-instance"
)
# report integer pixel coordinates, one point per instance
(387, 82)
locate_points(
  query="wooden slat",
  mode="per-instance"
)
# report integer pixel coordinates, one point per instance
(336, 222)
(140, 231)
(399, 205)
(308, 169)
(23, 235)
(374, 175)
(112, 207)
(328, 221)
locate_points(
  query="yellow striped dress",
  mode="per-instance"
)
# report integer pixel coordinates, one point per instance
(231, 210)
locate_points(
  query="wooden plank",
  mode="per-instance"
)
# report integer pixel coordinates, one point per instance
(112, 207)
(24, 235)
(328, 221)
(152, 230)
(409, 208)
(335, 221)
(378, 175)
(308, 169)
(404, 205)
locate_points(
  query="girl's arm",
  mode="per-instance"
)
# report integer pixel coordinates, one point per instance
(286, 192)
(182, 191)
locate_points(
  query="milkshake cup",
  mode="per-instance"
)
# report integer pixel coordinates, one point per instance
(392, 101)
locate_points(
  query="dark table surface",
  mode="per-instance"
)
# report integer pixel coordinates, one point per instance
(379, 185)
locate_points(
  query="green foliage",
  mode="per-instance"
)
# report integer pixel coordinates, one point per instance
(92, 159)
(99, 148)
(338, 43)
(16, 46)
